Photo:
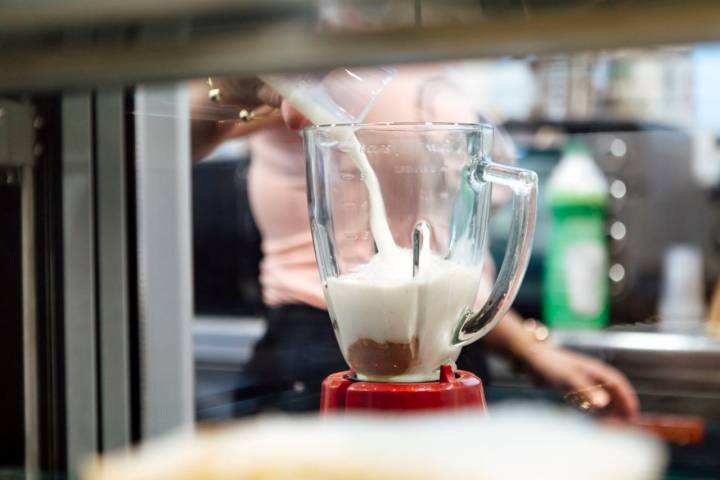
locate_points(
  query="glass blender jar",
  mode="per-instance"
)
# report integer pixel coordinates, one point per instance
(399, 215)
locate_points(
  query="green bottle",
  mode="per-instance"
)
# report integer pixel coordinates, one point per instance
(575, 283)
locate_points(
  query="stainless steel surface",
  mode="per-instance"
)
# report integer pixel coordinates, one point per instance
(112, 270)
(659, 203)
(16, 142)
(165, 259)
(652, 359)
(652, 189)
(685, 348)
(79, 278)
(193, 38)
(42, 15)
(32, 427)
(673, 373)
(16, 133)
(226, 340)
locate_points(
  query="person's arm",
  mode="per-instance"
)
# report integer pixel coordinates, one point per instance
(562, 368)
(206, 132)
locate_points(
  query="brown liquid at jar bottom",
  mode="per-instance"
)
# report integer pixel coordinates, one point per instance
(382, 359)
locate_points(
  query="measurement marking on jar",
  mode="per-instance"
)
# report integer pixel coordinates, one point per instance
(376, 148)
(364, 235)
(410, 169)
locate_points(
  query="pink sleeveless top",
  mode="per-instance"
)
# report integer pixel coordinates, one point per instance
(277, 190)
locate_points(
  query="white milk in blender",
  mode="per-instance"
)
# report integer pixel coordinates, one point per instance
(393, 325)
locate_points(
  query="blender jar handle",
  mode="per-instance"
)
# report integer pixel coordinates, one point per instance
(524, 186)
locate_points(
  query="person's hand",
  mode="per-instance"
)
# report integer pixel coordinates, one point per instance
(251, 92)
(242, 93)
(583, 377)
(293, 119)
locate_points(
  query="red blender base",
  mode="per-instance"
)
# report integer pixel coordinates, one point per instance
(458, 390)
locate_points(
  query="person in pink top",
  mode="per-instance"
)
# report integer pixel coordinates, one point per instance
(300, 345)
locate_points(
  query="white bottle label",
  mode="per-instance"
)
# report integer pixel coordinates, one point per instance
(584, 273)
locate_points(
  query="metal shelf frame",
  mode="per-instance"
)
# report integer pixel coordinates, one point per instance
(112, 45)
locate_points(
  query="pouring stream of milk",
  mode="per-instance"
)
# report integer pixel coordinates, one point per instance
(350, 145)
